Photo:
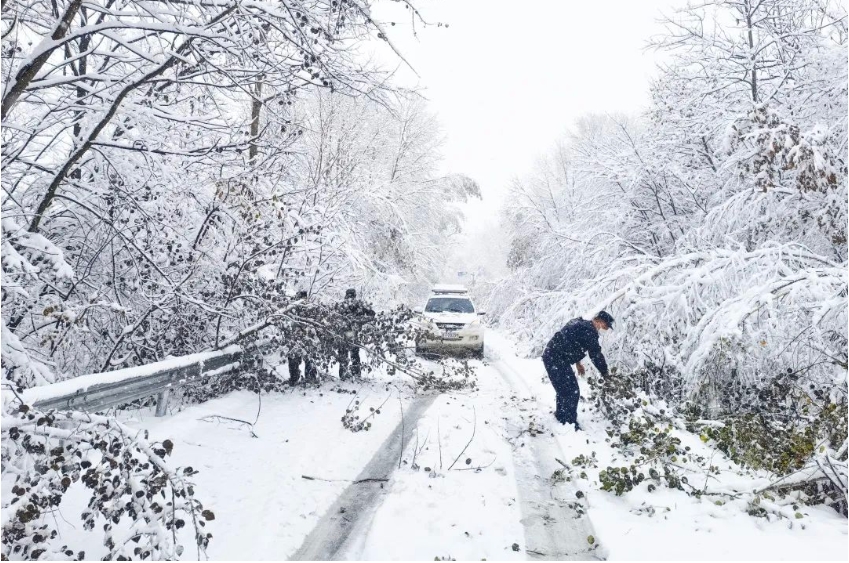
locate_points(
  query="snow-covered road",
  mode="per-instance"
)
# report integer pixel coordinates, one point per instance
(471, 484)
(350, 515)
(554, 526)
(465, 475)
(497, 501)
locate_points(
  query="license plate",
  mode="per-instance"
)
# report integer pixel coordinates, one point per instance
(451, 335)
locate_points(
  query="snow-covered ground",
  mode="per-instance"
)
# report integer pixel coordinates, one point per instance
(667, 524)
(263, 505)
(473, 480)
(469, 511)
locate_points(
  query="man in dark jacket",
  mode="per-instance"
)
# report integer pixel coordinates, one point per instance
(355, 314)
(299, 353)
(569, 346)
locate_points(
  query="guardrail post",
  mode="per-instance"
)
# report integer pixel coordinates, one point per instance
(162, 402)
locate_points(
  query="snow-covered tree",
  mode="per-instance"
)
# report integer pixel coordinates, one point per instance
(713, 227)
(166, 174)
(163, 194)
(372, 170)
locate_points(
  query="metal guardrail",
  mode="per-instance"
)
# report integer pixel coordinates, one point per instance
(101, 396)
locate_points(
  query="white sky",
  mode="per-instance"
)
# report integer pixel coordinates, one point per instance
(507, 78)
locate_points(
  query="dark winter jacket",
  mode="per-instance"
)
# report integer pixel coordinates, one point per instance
(356, 311)
(572, 342)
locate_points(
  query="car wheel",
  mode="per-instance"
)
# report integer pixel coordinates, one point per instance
(479, 353)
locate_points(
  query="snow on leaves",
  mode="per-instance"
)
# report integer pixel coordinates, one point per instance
(139, 500)
(162, 195)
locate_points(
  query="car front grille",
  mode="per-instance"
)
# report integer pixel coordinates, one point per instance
(450, 326)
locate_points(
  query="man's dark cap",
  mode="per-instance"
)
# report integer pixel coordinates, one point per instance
(350, 293)
(302, 294)
(605, 316)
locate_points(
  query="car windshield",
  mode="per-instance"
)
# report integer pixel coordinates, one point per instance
(449, 305)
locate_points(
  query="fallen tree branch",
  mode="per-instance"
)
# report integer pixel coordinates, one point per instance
(439, 440)
(478, 468)
(474, 428)
(211, 418)
(401, 454)
(351, 418)
(354, 481)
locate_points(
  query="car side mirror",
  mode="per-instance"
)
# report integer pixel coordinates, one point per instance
(418, 310)
(481, 313)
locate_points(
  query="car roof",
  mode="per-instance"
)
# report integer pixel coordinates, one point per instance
(448, 289)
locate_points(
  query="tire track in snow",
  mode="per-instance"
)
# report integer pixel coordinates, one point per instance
(354, 509)
(553, 529)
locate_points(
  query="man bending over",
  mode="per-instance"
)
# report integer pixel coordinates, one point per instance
(569, 346)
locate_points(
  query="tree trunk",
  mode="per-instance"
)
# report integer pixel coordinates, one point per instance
(754, 81)
(28, 72)
(256, 107)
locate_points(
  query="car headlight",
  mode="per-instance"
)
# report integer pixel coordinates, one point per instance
(475, 323)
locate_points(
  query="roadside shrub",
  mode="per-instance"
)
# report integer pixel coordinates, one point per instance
(782, 425)
(136, 497)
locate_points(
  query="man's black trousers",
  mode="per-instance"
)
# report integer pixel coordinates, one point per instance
(349, 362)
(310, 371)
(566, 388)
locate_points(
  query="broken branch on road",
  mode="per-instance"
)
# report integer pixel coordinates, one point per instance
(474, 428)
(219, 418)
(354, 481)
(478, 468)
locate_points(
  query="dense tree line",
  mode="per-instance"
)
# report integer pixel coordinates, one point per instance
(713, 227)
(174, 170)
(174, 173)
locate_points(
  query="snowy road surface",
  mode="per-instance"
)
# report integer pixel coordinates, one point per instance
(554, 528)
(474, 482)
(351, 513)
(469, 486)
(496, 502)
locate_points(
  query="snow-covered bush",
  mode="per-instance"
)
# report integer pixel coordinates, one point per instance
(139, 500)
(642, 433)
(801, 455)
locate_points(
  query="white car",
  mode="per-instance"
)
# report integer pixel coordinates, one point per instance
(451, 321)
